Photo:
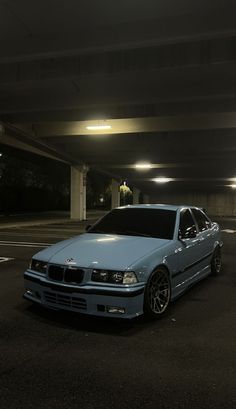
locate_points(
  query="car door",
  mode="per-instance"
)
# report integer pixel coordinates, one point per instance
(205, 237)
(188, 251)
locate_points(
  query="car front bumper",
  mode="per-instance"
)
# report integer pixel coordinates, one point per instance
(122, 302)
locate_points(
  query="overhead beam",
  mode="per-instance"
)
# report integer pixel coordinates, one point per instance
(21, 138)
(137, 125)
(13, 142)
(24, 137)
(193, 179)
(138, 57)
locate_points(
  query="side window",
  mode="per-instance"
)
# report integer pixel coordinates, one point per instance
(201, 219)
(187, 227)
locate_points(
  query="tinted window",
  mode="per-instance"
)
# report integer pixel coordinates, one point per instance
(157, 223)
(201, 219)
(186, 222)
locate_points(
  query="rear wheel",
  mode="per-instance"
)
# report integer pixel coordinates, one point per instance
(157, 293)
(216, 261)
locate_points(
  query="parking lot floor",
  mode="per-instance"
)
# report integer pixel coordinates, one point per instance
(62, 360)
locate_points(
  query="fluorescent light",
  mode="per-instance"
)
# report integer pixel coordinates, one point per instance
(0, 154)
(143, 165)
(98, 127)
(233, 186)
(162, 180)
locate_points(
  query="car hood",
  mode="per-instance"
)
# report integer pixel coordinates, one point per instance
(102, 251)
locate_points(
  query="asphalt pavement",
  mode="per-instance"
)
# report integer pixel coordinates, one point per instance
(62, 360)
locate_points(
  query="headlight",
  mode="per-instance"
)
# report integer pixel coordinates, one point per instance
(114, 277)
(39, 266)
(129, 278)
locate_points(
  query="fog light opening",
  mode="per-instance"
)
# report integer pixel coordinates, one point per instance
(34, 294)
(29, 292)
(115, 310)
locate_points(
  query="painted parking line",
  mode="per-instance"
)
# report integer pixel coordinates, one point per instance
(23, 244)
(228, 231)
(3, 259)
(38, 235)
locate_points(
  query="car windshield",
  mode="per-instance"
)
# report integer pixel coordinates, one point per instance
(158, 223)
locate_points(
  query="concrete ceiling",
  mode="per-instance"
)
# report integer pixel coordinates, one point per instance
(161, 73)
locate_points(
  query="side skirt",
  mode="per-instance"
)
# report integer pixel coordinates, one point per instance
(181, 288)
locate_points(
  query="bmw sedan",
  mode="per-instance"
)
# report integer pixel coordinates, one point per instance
(135, 260)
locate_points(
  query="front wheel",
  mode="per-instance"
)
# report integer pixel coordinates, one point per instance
(216, 261)
(157, 293)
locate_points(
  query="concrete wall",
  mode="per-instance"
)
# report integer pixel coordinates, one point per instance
(216, 204)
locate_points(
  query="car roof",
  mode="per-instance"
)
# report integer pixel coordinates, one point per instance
(156, 206)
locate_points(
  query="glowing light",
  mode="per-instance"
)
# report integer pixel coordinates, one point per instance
(233, 186)
(143, 165)
(162, 180)
(98, 127)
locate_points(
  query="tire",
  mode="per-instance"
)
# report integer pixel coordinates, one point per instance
(157, 293)
(216, 262)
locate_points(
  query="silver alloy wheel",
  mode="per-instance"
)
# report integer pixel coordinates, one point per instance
(158, 291)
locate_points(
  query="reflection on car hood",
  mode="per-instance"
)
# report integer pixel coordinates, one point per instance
(101, 250)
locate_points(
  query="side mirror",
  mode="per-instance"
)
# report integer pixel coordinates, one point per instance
(188, 234)
(88, 227)
(192, 233)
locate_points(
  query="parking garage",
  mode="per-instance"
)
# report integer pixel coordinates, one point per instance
(143, 95)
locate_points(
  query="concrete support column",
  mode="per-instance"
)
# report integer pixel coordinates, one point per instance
(136, 193)
(115, 194)
(145, 199)
(78, 192)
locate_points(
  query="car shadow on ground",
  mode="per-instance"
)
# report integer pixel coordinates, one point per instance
(118, 326)
(86, 323)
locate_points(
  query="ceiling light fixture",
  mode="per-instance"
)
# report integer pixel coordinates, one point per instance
(143, 165)
(233, 186)
(162, 180)
(98, 127)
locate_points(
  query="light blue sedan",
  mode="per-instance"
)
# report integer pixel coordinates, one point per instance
(134, 260)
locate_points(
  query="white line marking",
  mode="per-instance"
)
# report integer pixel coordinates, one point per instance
(229, 231)
(38, 235)
(23, 244)
(3, 259)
